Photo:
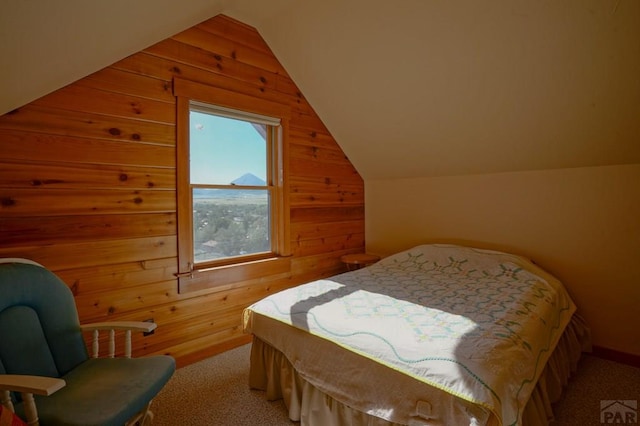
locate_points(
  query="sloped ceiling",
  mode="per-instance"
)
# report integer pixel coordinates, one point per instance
(45, 45)
(409, 89)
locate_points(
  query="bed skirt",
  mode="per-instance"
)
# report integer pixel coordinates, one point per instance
(273, 373)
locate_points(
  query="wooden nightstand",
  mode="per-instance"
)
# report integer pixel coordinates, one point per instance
(359, 260)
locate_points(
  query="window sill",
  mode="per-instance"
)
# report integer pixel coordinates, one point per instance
(218, 276)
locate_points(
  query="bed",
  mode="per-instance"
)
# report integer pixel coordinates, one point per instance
(434, 335)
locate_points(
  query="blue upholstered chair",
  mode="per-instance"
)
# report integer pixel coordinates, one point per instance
(46, 372)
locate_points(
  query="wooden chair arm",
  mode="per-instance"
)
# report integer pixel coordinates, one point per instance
(27, 386)
(142, 326)
(112, 326)
(39, 385)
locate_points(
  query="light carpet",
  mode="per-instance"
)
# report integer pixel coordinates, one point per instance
(215, 392)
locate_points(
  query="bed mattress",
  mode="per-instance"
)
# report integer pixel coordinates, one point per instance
(434, 334)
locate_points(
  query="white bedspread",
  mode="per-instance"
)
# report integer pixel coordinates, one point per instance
(477, 324)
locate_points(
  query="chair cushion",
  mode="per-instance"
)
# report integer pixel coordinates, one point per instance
(105, 391)
(51, 301)
(24, 348)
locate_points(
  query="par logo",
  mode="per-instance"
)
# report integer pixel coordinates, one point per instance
(619, 412)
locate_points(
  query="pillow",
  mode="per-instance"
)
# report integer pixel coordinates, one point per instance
(7, 418)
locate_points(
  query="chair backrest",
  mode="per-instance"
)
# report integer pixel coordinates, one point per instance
(39, 327)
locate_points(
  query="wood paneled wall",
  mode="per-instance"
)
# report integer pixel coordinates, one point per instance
(88, 189)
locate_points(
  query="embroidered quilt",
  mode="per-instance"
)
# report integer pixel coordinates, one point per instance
(477, 324)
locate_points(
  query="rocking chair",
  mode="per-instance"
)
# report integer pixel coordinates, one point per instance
(46, 374)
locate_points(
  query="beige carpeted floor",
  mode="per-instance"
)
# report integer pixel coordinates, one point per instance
(215, 392)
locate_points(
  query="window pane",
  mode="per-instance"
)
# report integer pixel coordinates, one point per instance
(230, 222)
(226, 151)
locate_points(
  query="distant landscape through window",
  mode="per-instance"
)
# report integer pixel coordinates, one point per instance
(228, 179)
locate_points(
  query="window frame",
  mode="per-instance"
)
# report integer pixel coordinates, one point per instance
(273, 128)
(216, 273)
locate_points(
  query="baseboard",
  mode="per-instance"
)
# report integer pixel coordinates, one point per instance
(617, 356)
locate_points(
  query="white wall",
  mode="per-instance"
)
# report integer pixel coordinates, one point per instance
(45, 45)
(582, 225)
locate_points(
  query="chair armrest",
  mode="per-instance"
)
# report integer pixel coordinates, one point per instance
(142, 326)
(39, 385)
(27, 386)
(112, 326)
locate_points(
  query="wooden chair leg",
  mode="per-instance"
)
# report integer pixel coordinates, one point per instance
(30, 410)
(5, 400)
(143, 418)
(148, 419)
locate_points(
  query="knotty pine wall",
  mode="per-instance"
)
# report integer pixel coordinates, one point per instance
(88, 189)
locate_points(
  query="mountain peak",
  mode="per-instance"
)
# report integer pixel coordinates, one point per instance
(248, 179)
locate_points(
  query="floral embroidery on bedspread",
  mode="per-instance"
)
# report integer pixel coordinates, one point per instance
(477, 324)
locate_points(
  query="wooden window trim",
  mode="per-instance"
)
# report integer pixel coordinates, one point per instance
(190, 279)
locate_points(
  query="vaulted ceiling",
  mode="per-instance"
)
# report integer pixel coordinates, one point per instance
(410, 88)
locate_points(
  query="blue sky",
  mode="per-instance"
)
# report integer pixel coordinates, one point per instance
(224, 149)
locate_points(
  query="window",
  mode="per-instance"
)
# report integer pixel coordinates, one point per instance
(232, 209)
(231, 182)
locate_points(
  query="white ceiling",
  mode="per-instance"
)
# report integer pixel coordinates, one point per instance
(410, 88)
